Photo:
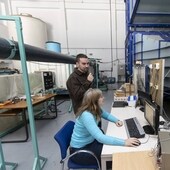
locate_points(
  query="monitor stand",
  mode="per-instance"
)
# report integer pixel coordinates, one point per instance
(148, 129)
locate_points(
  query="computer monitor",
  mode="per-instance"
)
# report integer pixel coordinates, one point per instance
(151, 113)
(144, 96)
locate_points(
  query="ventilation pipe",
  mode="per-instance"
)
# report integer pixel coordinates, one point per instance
(10, 50)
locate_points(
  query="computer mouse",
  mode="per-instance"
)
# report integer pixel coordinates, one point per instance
(137, 144)
(161, 122)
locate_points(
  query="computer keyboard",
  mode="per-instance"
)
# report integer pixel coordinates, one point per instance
(120, 104)
(133, 128)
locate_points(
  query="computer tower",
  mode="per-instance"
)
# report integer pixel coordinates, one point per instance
(164, 155)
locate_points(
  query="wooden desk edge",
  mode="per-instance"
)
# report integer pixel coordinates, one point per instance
(130, 160)
(23, 105)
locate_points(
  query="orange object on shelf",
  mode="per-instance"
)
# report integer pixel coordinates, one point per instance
(4, 103)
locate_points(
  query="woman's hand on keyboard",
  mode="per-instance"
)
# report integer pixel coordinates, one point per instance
(132, 142)
(119, 123)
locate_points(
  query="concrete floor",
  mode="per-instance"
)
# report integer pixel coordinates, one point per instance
(23, 154)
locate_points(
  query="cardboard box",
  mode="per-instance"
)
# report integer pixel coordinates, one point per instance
(120, 93)
(129, 87)
(129, 94)
(124, 91)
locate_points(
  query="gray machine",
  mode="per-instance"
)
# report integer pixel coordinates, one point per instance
(164, 151)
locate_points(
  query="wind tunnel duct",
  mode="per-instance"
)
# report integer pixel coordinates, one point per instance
(10, 50)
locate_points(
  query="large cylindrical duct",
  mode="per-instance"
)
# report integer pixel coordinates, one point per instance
(10, 49)
(34, 30)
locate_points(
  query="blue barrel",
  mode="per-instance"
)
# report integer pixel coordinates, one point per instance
(53, 46)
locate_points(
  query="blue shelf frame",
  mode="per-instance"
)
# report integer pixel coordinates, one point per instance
(135, 13)
(131, 47)
(39, 161)
(132, 28)
(4, 164)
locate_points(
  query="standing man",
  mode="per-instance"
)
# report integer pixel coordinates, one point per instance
(79, 81)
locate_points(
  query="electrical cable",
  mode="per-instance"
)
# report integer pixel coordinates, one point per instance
(154, 150)
(108, 62)
(164, 114)
(66, 26)
(146, 139)
(111, 40)
(45, 64)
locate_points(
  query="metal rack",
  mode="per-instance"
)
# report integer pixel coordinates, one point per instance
(18, 51)
(151, 14)
(148, 18)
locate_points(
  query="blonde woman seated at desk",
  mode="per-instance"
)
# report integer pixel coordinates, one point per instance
(87, 135)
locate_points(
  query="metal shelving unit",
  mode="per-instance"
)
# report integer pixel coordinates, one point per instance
(148, 18)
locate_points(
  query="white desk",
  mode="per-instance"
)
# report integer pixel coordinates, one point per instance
(120, 132)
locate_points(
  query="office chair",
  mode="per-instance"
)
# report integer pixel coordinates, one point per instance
(63, 137)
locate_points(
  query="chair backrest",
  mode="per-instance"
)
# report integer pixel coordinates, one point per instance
(63, 137)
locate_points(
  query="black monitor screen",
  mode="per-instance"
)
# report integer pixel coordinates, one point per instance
(151, 114)
(143, 96)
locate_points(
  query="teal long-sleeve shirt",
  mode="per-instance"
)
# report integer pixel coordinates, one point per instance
(86, 130)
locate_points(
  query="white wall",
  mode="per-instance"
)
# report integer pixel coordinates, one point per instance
(82, 26)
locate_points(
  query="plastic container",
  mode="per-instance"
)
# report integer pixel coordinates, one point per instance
(53, 46)
(34, 30)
